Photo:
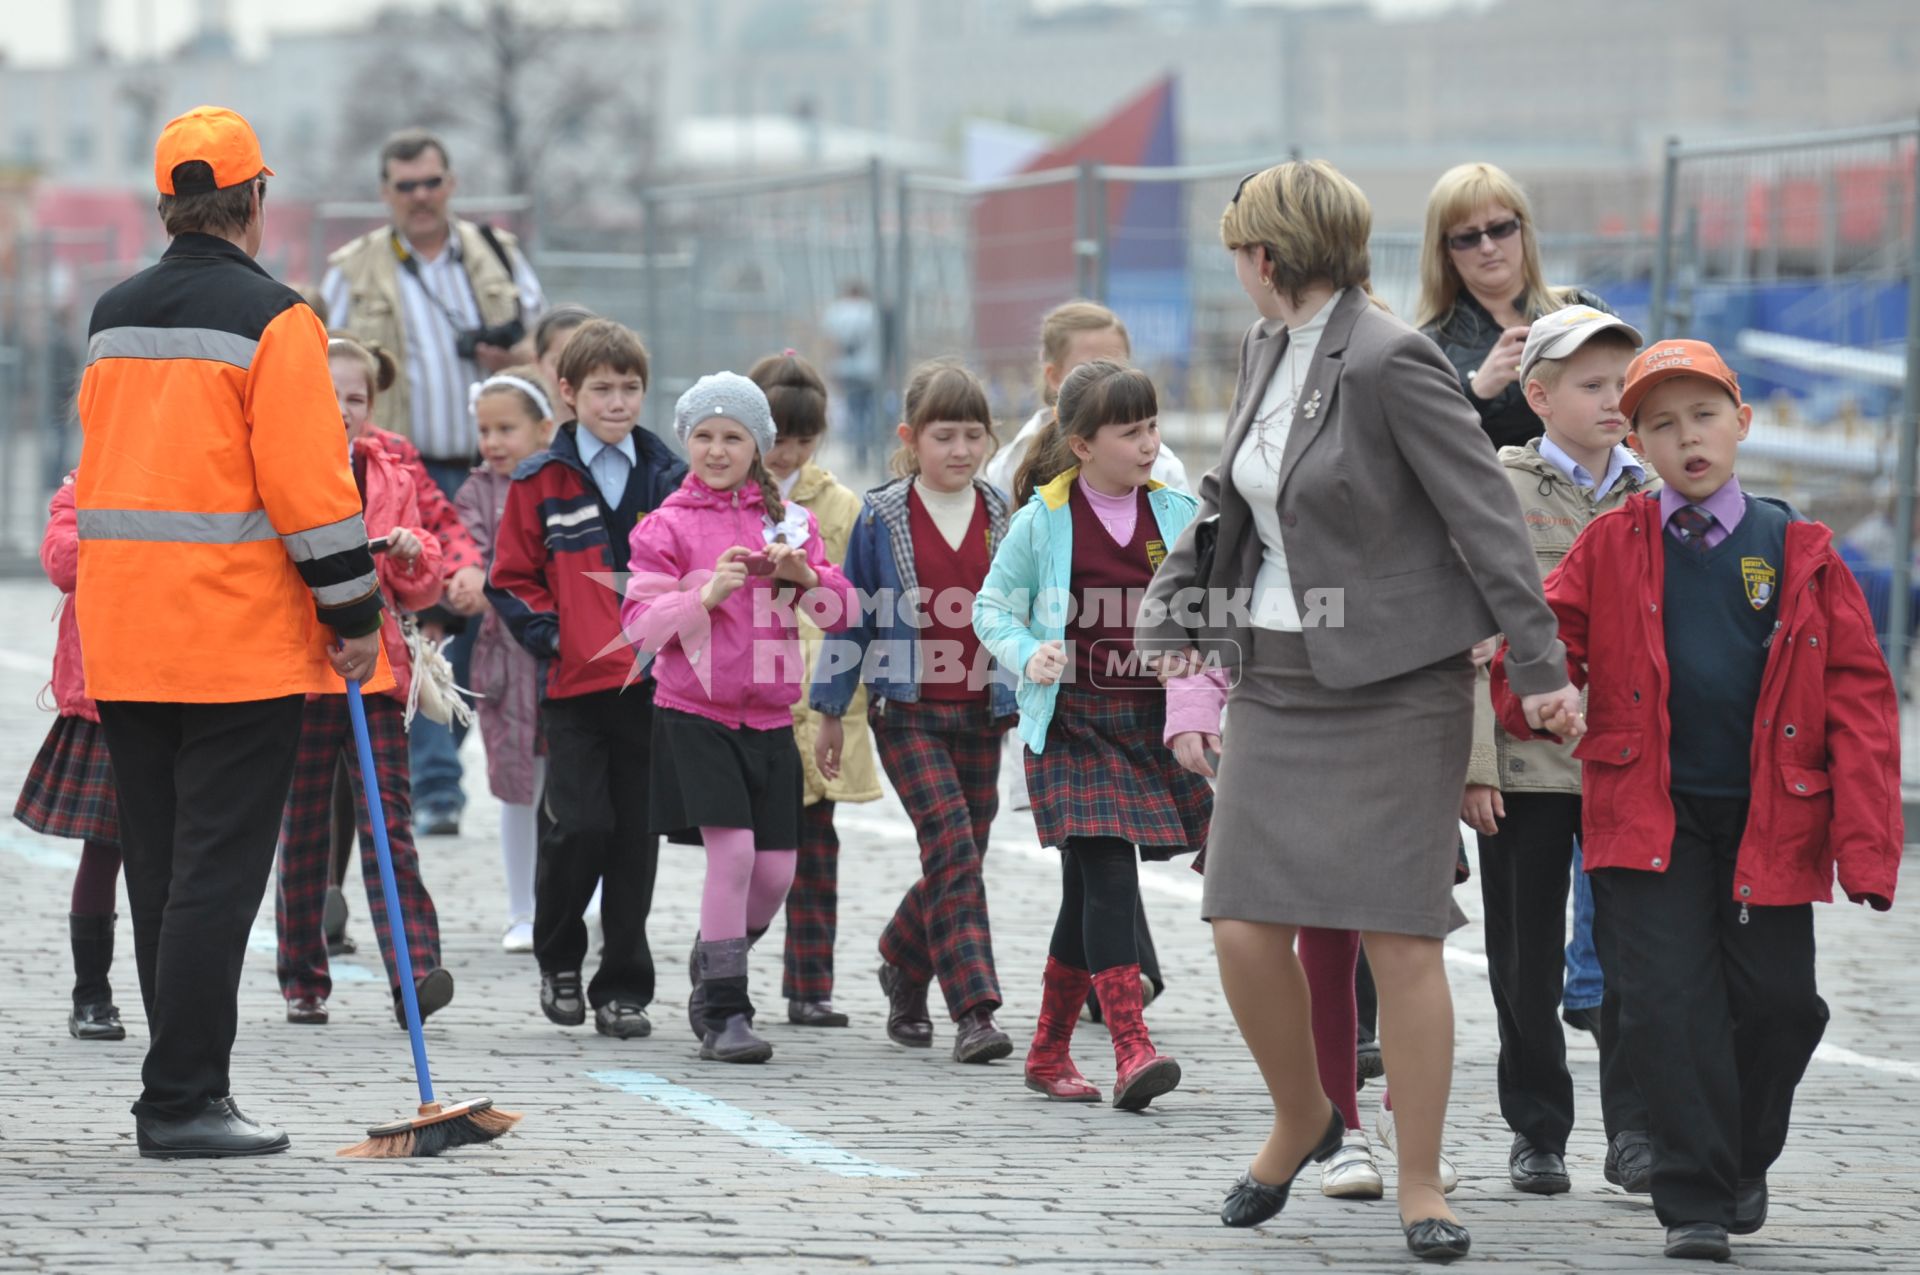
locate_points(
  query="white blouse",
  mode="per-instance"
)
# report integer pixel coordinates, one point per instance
(1256, 471)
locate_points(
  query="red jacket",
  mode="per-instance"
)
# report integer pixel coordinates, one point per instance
(558, 578)
(393, 500)
(1826, 733)
(437, 513)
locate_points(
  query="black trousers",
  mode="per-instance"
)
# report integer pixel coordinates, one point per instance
(1719, 1012)
(202, 788)
(599, 764)
(1525, 879)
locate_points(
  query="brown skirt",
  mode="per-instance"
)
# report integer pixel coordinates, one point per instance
(1339, 808)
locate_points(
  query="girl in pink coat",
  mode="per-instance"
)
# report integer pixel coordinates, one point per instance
(69, 793)
(720, 572)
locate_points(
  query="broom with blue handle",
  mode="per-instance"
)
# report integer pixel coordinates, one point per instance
(435, 1128)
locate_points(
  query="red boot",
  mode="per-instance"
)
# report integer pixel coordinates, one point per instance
(1142, 1074)
(1049, 1070)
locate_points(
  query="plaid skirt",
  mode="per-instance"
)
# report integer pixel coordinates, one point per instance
(70, 791)
(1106, 773)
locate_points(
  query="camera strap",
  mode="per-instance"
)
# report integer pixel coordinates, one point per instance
(412, 267)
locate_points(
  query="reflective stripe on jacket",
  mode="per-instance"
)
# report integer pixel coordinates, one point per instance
(222, 546)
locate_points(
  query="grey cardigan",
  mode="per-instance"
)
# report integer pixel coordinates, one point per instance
(1404, 539)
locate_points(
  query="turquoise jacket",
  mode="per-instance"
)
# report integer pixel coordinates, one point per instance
(1026, 599)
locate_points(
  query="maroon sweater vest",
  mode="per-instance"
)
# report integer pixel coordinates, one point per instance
(1108, 582)
(948, 572)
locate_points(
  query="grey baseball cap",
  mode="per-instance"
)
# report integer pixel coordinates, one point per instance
(727, 394)
(1558, 335)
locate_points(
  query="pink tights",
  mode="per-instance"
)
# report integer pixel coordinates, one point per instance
(745, 886)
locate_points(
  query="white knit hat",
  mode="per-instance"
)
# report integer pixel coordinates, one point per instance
(730, 395)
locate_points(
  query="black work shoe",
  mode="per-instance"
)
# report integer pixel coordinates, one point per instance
(437, 823)
(1367, 1063)
(560, 998)
(1749, 1206)
(216, 1132)
(434, 992)
(978, 1039)
(623, 1020)
(1586, 1020)
(815, 1014)
(1630, 1162)
(907, 1020)
(1699, 1241)
(1537, 1171)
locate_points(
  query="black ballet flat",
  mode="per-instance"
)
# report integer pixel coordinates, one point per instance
(1434, 1239)
(1252, 1202)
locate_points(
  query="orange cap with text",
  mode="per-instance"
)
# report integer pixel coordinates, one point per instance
(1664, 360)
(218, 138)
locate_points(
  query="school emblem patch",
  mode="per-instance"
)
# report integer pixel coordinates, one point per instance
(1156, 553)
(1759, 578)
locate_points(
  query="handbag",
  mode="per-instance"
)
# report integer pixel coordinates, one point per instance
(1206, 543)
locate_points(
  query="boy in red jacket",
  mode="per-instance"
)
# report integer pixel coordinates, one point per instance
(1743, 741)
(558, 575)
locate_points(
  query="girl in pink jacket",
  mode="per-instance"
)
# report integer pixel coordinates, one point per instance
(69, 793)
(720, 572)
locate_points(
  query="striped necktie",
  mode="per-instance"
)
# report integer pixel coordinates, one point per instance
(1691, 523)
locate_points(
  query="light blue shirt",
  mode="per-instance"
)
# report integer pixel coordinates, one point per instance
(1620, 461)
(610, 466)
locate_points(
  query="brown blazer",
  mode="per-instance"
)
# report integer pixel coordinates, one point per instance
(1389, 495)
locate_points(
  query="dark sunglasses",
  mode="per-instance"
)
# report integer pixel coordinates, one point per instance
(1471, 238)
(419, 183)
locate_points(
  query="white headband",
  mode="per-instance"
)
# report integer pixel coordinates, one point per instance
(520, 383)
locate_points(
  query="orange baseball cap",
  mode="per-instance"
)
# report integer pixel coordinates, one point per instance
(215, 136)
(1664, 360)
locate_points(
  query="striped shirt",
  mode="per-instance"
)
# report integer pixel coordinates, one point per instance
(437, 377)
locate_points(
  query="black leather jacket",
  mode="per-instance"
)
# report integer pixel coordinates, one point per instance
(1467, 334)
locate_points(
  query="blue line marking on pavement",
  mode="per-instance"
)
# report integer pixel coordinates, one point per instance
(41, 854)
(755, 1130)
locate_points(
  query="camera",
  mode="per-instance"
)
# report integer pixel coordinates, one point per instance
(504, 335)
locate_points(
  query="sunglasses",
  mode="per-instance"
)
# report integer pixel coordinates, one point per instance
(419, 183)
(1471, 238)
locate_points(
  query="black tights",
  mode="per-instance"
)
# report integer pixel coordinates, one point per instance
(1099, 904)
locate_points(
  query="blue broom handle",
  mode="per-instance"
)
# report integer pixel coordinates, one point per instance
(396, 926)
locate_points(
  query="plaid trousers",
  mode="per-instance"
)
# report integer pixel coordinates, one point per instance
(813, 907)
(305, 846)
(944, 761)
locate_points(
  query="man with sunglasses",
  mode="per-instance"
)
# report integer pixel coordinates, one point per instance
(453, 301)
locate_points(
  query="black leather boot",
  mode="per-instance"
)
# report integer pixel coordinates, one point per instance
(93, 1016)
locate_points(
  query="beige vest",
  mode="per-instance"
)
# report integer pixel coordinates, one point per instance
(374, 313)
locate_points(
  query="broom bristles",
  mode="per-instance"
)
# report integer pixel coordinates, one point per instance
(422, 1141)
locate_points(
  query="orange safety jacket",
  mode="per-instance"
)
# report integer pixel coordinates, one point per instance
(222, 545)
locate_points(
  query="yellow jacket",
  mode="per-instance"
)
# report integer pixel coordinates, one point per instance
(834, 507)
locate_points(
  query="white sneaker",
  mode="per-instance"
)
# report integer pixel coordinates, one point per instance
(518, 937)
(1351, 1173)
(1383, 1128)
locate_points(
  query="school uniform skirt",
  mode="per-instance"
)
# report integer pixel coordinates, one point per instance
(69, 792)
(709, 775)
(1340, 808)
(1107, 773)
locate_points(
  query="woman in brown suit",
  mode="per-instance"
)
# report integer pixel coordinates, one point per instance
(1364, 539)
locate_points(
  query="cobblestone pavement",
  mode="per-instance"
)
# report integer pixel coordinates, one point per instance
(844, 1152)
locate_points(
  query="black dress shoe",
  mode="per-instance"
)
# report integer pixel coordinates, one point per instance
(1434, 1239)
(437, 823)
(623, 1020)
(978, 1039)
(311, 1010)
(1586, 1020)
(814, 1014)
(1536, 1171)
(560, 998)
(434, 992)
(1252, 1201)
(907, 1020)
(1367, 1063)
(1749, 1206)
(98, 1021)
(1699, 1241)
(217, 1131)
(1630, 1162)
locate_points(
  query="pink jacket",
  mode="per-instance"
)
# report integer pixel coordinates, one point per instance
(392, 502)
(740, 664)
(60, 559)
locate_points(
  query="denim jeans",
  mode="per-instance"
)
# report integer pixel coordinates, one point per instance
(433, 749)
(1584, 980)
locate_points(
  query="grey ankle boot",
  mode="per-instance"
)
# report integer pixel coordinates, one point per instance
(727, 1010)
(697, 998)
